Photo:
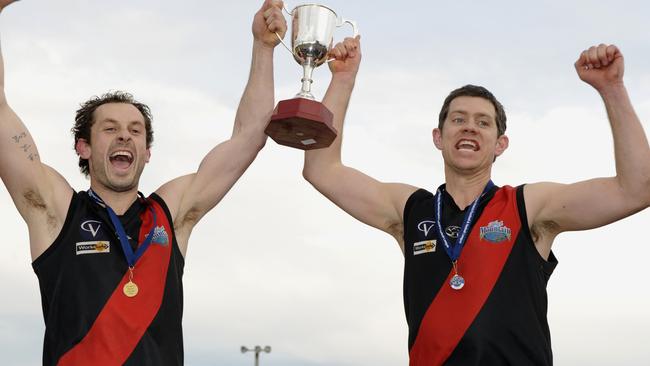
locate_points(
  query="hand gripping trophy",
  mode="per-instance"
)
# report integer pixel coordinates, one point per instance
(302, 122)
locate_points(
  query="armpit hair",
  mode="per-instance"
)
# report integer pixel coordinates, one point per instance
(544, 229)
(188, 220)
(36, 201)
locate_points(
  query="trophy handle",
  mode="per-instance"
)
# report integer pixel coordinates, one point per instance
(355, 28)
(280, 38)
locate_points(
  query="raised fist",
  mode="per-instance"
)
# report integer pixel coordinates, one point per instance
(601, 66)
(268, 21)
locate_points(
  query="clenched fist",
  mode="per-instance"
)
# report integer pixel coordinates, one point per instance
(347, 56)
(268, 21)
(601, 66)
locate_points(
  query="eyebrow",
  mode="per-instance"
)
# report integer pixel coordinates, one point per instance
(479, 114)
(484, 115)
(110, 120)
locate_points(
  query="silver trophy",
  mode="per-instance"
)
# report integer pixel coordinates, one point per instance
(302, 122)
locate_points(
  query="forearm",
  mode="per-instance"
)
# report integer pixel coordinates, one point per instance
(18, 153)
(15, 139)
(631, 150)
(256, 105)
(336, 99)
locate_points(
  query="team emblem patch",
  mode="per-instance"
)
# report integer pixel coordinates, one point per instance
(495, 232)
(91, 226)
(426, 226)
(93, 247)
(160, 236)
(422, 247)
(452, 231)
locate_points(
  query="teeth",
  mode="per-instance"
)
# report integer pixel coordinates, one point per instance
(122, 153)
(467, 143)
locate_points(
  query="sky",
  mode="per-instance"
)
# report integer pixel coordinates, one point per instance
(277, 264)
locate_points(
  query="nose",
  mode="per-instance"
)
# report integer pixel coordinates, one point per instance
(470, 128)
(124, 136)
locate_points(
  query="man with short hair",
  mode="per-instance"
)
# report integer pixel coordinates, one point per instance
(110, 261)
(478, 256)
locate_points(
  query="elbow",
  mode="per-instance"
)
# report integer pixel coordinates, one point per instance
(644, 188)
(308, 174)
(638, 193)
(314, 173)
(318, 173)
(261, 143)
(646, 193)
(255, 138)
(257, 143)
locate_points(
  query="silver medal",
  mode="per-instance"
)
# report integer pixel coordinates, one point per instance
(457, 282)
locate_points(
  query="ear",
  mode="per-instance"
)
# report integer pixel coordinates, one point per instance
(148, 156)
(502, 145)
(83, 149)
(437, 138)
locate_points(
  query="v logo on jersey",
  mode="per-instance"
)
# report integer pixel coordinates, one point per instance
(425, 226)
(91, 226)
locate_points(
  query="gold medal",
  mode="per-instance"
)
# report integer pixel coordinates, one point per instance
(130, 289)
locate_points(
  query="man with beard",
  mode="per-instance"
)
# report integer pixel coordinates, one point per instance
(110, 261)
(478, 256)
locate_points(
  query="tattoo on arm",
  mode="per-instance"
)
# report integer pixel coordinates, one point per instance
(26, 147)
(17, 138)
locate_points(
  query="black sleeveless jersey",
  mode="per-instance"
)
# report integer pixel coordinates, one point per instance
(510, 325)
(80, 278)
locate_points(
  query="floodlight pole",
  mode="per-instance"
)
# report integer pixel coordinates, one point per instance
(257, 351)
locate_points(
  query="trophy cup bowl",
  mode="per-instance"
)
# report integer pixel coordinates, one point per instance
(302, 122)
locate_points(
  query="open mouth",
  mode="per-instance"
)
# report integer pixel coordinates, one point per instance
(468, 145)
(121, 159)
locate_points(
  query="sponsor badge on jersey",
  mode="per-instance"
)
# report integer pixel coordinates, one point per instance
(160, 236)
(93, 247)
(422, 247)
(495, 232)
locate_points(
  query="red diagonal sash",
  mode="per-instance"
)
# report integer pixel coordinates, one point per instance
(123, 320)
(452, 311)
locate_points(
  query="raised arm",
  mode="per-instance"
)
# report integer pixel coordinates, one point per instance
(40, 194)
(192, 196)
(377, 204)
(554, 208)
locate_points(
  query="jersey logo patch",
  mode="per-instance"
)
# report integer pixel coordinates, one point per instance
(422, 247)
(452, 231)
(93, 247)
(426, 226)
(495, 232)
(160, 236)
(91, 226)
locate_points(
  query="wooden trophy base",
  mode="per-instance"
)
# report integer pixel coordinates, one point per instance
(301, 123)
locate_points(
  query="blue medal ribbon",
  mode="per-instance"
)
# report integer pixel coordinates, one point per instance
(453, 250)
(131, 257)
